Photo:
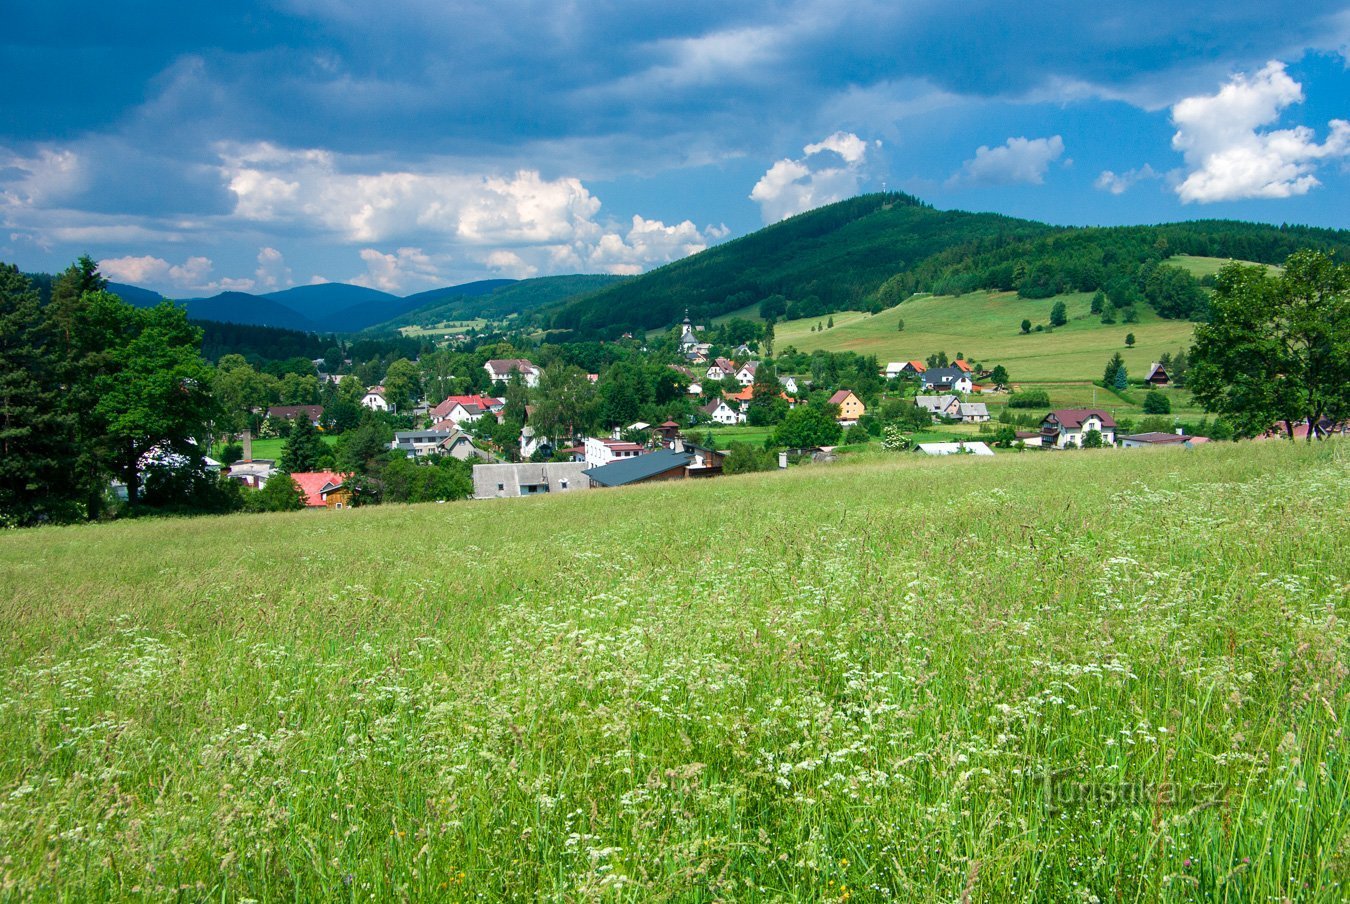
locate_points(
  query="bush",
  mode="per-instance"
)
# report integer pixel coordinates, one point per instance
(1157, 403)
(744, 458)
(1029, 398)
(856, 434)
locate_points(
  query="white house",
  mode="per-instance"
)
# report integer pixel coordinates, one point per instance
(746, 375)
(374, 399)
(721, 412)
(789, 385)
(421, 443)
(972, 412)
(500, 369)
(720, 369)
(1067, 427)
(603, 451)
(948, 379)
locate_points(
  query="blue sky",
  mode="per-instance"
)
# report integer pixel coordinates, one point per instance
(417, 143)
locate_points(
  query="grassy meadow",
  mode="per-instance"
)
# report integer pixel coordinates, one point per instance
(1114, 675)
(986, 327)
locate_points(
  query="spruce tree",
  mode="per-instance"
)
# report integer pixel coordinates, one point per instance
(35, 480)
(302, 448)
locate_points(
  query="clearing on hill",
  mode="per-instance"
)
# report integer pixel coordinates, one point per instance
(986, 327)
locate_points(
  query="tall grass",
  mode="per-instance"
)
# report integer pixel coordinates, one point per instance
(1114, 676)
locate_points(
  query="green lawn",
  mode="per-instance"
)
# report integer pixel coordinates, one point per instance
(440, 329)
(269, 447)
(1112, 675)
(986, 327)
(1208, 266)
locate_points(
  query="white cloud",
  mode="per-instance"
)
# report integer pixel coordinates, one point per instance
(1118, 184)
(134, 269)
(1016, 160)
(831, 170)
(272, 272)
(520, 224)
(1230, 159)
(406, 270)
(39, 180)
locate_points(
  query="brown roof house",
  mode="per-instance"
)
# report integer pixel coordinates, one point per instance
(1066, 427)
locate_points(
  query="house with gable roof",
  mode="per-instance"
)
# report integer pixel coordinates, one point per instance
(324, 489)
(850, 406)
(499, 370)
(1066, 427)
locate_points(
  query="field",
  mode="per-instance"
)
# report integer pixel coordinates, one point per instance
(985, 327)
(444, 328)
(1208, 266)
(270, 447)
(1114, 675)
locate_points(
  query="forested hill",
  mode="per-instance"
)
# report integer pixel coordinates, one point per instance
(831, 258)
(873, 251)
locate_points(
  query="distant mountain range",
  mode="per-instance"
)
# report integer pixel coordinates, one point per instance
(343, 308)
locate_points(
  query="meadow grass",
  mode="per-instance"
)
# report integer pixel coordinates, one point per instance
(270, 446)
(1113, 675)
(985, 327)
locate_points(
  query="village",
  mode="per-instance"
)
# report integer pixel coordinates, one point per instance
(737, 412)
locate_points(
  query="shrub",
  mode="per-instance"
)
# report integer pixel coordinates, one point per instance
(1157, 403)
(1029, 398)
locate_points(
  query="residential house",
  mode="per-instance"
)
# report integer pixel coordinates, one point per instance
(963, 366)
(374, 399)
(500, 369)
(1157, 375)
(324, 489)
(1029, 438)
(789, 385)
(528, 479)
(947, 379)
(943, 406)
(1151, 440)
(720, 369)
(461, 409)
(1067, 427)
(850, 406)
(721, 412)
(958, 448)
(603, 451)
(742, 350)
(973, 413)
(420, 443)
(290, 412)
(664, 464)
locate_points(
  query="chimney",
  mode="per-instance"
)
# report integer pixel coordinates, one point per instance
(248, 445)
(677, 445)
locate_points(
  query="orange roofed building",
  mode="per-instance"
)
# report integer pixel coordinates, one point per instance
(324, 489)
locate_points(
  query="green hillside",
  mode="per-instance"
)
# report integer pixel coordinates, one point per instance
(986, 327)
(870, 252)
(1115, 672)
(838, 255)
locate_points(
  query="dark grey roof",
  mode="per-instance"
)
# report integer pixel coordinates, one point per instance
(639, 467)
(942, 375)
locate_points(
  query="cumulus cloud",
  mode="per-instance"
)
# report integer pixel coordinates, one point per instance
(406, 270)
(1118, 184)
(519, 225)
(192, 275)
(831, 170)
(1016, 160)
(1230, 158)
(272, 272)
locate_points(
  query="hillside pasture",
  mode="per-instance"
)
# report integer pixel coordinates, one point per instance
(1116, 675)
(986, 327)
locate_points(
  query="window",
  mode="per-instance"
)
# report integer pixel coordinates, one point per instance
(338, 505)
(562, 484)
(500, 487)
